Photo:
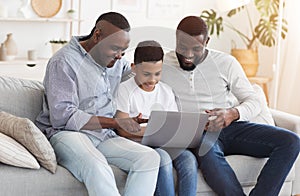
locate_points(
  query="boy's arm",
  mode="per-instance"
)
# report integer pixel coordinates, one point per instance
(127, 134)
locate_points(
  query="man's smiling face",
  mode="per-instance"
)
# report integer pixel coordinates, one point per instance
(190, 50)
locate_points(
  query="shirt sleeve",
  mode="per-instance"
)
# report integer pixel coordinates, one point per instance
(62, 97)
(241, 88)
(172, 104)
(126, 73)
(167, 97)
(122, 99)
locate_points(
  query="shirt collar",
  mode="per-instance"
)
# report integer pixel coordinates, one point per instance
(75, 42)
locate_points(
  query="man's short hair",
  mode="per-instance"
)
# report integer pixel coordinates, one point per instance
(114, 18)
(193, 26)
(148, 51)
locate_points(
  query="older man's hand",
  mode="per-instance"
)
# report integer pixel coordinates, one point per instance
(220, 118)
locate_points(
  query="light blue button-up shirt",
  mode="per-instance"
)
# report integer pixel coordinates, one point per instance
(77, 88)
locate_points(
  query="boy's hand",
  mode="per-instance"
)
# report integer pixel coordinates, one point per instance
(139, 119)
(131, 124)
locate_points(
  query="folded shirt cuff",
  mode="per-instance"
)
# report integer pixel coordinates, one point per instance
(78, 120)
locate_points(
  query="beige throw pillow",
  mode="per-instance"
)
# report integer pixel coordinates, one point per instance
(26, 133)
(13, 153)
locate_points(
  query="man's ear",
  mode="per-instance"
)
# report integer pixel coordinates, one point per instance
(97, 35)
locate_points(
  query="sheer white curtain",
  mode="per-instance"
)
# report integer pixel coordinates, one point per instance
(289, 80)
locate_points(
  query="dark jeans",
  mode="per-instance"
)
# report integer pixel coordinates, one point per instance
(257, 140)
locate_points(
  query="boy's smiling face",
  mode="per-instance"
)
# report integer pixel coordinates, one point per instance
(148, 74)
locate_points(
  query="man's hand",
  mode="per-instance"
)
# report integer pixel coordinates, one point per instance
(131, 124)
(221, 118)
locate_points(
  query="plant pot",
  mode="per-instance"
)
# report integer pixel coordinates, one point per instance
(56, 47)
(71, 14)
(248, 59)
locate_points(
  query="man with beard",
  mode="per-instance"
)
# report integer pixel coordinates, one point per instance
(78, 109)
(208, 81)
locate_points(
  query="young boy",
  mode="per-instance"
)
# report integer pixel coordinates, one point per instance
(142, 94)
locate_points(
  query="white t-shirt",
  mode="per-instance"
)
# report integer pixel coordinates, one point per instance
(133, 100)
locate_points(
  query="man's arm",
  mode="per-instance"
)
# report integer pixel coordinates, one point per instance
(99, 122)
(130, 125)
(128, 133)
(241, 88)
(62, 99)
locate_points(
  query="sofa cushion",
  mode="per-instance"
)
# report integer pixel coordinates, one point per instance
(41, 182)
(21, 97)
(13, 153)
(19, 181)
(26, 133)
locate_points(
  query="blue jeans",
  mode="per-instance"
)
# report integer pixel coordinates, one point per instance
(88, 159)
(280, 145)
(186, 167)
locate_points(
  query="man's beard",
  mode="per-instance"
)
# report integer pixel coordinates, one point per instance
(182, 64)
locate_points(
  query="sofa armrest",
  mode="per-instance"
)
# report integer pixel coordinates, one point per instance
(286, 120)
(296, 182)
(290, 122)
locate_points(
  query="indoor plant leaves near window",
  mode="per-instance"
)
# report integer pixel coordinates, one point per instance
(264, 32)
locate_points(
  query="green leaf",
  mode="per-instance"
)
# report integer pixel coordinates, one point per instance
(235, 11)
(266, 30)
(267, 8)
(213, 21)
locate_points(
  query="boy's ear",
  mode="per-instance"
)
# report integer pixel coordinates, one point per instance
(208, 38)
(133, 67)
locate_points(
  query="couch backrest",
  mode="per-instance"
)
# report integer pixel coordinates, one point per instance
(21, 97)
(265, 116)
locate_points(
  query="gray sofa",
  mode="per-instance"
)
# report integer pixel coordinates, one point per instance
(24, 98)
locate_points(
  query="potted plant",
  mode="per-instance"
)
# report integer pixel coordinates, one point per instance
(264, 32)
(71, 13)
(57, 44)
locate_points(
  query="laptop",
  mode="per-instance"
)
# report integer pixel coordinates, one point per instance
(174, 129)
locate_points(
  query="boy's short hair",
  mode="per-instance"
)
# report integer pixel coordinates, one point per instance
(148, 51)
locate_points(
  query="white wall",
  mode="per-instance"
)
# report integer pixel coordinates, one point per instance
(30, 35)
